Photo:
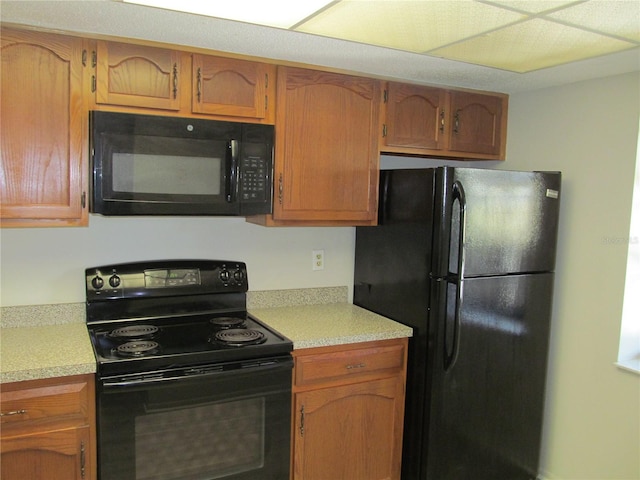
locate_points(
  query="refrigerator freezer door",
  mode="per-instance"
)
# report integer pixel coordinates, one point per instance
(489, 378)
(509, 221)
(391, 278)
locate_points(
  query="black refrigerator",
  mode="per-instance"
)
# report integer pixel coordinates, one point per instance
(466, 257)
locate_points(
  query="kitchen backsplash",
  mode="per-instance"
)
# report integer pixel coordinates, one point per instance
(61, 313)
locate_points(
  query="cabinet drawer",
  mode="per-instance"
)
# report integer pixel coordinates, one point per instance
(40, 400)
(343, 365)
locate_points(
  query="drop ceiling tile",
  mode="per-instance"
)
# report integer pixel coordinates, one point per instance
(620, 17)
(415, 26)
(531, 6)
(274, 13)
(531, 45)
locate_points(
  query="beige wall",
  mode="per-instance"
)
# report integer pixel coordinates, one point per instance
(589, 131)
(41, 266)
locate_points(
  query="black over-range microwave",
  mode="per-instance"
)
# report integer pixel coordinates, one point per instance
(155, 165)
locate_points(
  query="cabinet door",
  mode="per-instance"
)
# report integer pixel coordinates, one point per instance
(351, 431)
(477, 123)
(55, 455)
(326, 147)
(415, 116)
(43, 170)
(137, 76)
(227, 86)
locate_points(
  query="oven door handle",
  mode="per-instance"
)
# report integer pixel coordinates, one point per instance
(198, 372)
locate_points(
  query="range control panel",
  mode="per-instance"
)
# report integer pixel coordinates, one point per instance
(165, 278)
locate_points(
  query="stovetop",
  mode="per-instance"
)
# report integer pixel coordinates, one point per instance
(146, 317)
(146, 345)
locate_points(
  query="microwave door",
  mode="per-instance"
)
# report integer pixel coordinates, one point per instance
(150, 175)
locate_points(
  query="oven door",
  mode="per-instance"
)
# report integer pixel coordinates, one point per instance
(228, 421)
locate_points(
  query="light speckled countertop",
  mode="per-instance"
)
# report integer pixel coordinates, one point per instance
(309, 317)
(330, 324)
(29, 353)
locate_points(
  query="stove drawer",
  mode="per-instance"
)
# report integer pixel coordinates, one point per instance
(49, 401)
(348, 362)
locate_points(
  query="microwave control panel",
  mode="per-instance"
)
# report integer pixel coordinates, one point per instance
(254, 179)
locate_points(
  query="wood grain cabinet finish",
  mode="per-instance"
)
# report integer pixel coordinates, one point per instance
(228, 86)
(431, 121)
(138, 76)
(415, 117)
(326, 148)
(478, 123)
(182, 83)
(43, 164)
(48, 429)
(348, 411)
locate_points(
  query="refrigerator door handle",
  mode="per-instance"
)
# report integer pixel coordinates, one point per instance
(451, 354)
(459, 195)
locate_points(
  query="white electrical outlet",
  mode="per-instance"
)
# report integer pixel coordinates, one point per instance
(318, 260)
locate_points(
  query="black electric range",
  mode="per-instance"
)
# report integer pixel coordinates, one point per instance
(146, 317)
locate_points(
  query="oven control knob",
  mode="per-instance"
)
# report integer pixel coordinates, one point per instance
(114, 281)
(97, 282)
(225, 276)
(238, 276)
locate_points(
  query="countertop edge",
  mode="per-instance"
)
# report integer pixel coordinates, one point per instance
(48, 372)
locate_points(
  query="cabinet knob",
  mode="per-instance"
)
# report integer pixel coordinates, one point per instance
(355, 365)
(14, 412)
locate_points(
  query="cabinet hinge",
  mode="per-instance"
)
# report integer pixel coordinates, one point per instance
(83, 460)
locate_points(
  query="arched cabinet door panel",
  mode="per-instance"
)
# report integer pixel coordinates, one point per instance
(138, 76)
(43, 170)
(326, 147)
(228, 86)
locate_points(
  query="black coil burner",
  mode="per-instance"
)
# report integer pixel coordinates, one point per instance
(238, 337)
(227, 322)
(137, 348)
(134, 332)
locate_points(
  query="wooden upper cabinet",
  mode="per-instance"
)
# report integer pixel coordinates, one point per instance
(228, 86)
(137, 76)
(414, 116)
(43, 157)
(431, 121)
(478, 123)
(142, 77)
(326, 148)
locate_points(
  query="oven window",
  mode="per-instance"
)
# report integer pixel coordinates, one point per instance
(185, 445)
(166, 174)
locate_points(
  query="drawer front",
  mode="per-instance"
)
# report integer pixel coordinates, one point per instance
(345, 365)
(39, 402)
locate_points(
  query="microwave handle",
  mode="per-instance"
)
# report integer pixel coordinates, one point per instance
(231, 174)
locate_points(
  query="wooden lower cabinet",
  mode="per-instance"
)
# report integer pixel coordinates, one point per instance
(48, 429)
(348, 411)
